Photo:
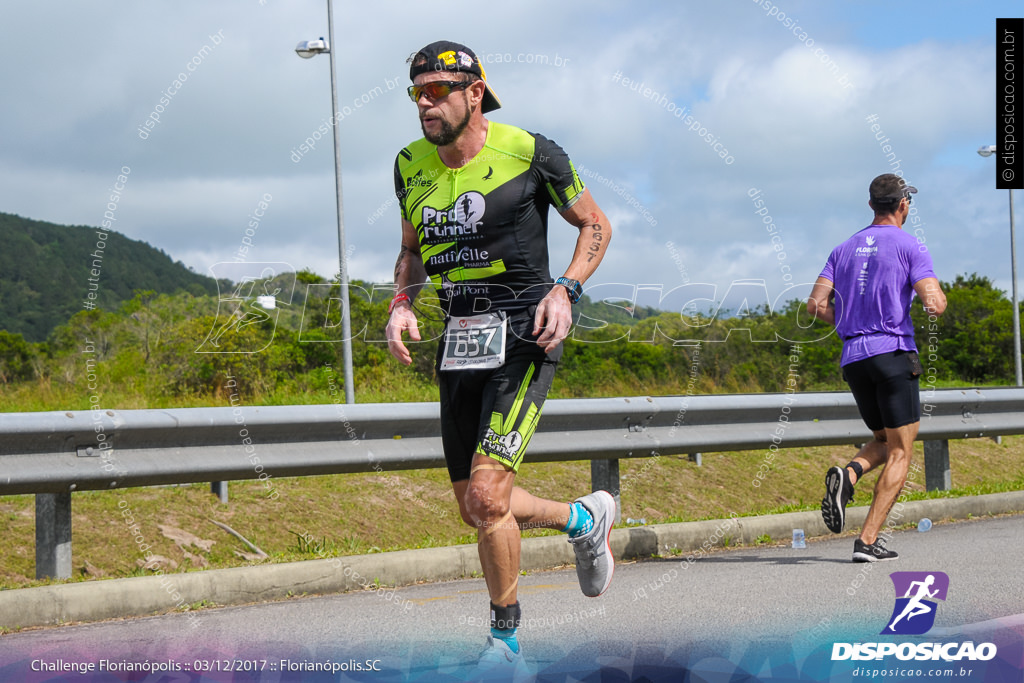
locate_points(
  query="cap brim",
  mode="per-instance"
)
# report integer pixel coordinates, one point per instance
(904, 191)
(490, 101)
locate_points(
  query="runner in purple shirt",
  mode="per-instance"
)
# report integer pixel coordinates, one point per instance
(865, 290)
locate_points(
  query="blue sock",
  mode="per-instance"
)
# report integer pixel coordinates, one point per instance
(508, 637)
(580, 520)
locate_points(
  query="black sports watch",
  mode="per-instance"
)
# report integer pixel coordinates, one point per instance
(574, 288)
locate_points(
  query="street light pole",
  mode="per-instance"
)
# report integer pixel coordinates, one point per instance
(1016, 306)
(987, 151)
(306, 50)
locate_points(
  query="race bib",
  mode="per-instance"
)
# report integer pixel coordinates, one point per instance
(475, 342)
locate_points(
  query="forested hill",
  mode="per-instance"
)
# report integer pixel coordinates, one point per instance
(45, 272)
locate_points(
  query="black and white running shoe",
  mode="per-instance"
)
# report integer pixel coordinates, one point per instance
(838, 492)
(874, 552)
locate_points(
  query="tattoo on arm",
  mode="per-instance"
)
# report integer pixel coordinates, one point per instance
(595, 246)
(398, 263)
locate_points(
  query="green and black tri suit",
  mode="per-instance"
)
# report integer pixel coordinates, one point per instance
(483, 228)
(482, 232)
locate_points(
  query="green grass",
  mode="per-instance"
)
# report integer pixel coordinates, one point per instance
(353, 514)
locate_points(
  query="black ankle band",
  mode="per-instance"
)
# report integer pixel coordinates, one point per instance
(855, 466)
(505, 618)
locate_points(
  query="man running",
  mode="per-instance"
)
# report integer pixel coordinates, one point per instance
(872, 278)
(474, 198)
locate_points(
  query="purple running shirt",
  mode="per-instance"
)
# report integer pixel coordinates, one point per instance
(873, 274)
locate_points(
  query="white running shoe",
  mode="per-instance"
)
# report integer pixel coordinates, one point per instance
(499, 663)
(594, 562)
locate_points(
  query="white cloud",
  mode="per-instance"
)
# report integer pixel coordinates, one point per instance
(227, 136)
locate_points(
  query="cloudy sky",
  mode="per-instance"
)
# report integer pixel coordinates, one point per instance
(784, 89)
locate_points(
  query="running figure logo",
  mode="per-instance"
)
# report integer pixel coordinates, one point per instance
(914, 613)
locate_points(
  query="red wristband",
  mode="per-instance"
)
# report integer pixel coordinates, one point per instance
(399, 298)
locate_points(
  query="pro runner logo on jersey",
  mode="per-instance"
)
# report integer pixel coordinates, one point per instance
(460, 220)
(505, 447)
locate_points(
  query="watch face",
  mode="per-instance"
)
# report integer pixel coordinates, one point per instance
(573, 287)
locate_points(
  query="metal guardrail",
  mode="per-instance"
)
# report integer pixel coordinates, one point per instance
(53, 454)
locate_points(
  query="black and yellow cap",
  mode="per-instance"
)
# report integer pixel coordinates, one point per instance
(444, 55)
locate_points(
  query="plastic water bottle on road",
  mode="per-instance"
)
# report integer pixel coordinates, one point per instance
(924, 525)
(798, 539)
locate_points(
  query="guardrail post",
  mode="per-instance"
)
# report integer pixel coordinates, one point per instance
(936, 465)
(53, 535)
(219, 489)
(604, 476)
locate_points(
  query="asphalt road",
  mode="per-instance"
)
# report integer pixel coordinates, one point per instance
(771, 610)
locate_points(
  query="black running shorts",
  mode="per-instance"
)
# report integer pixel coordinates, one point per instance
(496, 411)
(886, 389)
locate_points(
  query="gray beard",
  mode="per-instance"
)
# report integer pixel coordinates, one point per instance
(449, 133)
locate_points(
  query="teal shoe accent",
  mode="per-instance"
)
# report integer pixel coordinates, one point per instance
(580, 520)
(508, 637)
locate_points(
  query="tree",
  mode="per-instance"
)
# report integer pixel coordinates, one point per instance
(17, 358)
(973, 340)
